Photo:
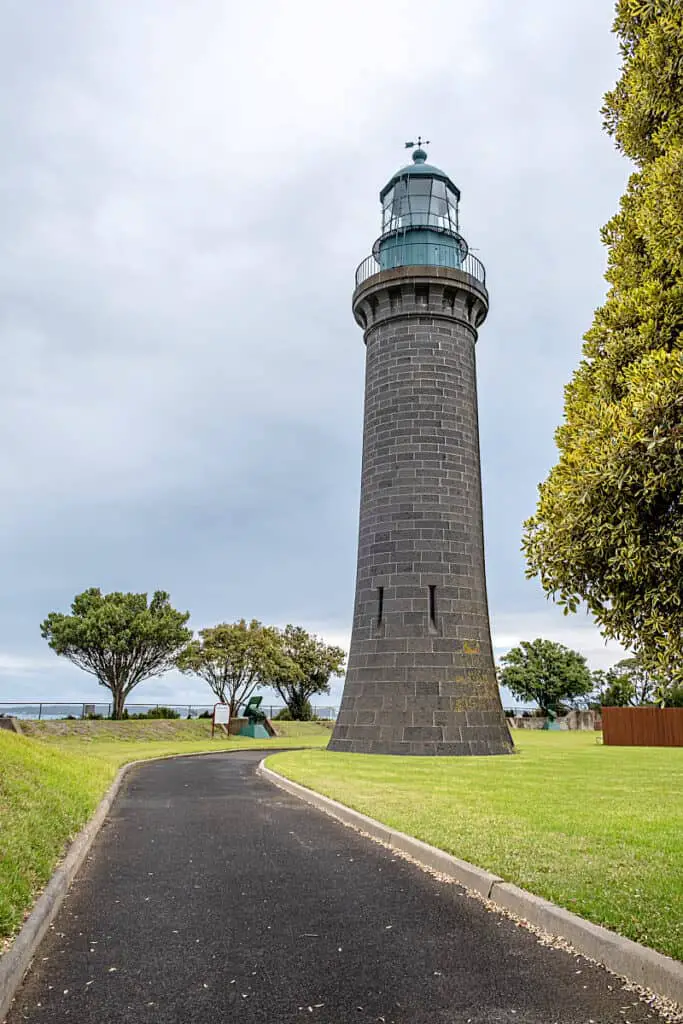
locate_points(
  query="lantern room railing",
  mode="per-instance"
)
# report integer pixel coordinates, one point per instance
(420, 254)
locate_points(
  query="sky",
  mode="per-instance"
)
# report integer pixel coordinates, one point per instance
(185, 192)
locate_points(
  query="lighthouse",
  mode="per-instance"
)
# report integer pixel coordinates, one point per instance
(421, 678)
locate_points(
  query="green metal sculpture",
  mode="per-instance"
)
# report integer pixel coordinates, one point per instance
(255, 726)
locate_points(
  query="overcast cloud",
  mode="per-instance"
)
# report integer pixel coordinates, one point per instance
(186, 190)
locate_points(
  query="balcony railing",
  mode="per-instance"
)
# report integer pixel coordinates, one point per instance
(420, 254)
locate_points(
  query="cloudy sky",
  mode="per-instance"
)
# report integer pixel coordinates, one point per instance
(186, 189)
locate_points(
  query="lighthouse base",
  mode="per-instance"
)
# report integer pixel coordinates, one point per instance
(430, 720)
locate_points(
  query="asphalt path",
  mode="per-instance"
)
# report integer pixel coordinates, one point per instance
(212, 896)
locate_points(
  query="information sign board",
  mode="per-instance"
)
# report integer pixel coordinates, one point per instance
(221, 717)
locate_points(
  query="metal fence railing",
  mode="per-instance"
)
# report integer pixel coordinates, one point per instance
(51, 710)
(420, 254)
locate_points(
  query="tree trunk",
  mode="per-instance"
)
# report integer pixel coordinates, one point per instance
(299, 706)
(118, 704)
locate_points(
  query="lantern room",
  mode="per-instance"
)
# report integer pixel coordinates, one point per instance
(420, 218)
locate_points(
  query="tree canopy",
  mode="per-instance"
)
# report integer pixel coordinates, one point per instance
(545, 672)
(608, 528)
(629, 682)
(305, 669)
(235, 659)
(121, 639)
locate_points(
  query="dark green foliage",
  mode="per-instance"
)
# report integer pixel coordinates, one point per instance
(121, 639)
(304, 670)
(672, 697)
(629, 682)
(608, 529)
(546, 673)
(617, 693)
(234, 658)
(160, 712)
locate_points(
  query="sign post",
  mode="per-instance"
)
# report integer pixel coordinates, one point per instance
(221, 716)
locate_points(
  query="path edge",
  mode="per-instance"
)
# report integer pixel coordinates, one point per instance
(630, 960)
(16, 962)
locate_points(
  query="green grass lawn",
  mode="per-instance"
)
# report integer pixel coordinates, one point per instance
(596, 829)
(45, 798)
(49, 788)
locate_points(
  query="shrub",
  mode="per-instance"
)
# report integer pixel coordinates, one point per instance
(160, 712)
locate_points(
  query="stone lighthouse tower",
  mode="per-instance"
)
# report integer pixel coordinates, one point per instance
(421, 676)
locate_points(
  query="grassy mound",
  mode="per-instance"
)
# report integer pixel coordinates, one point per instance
(99, 731)
(596, 829)
(145, 730)
(45, 798)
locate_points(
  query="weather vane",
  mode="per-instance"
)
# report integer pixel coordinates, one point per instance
(420, 142)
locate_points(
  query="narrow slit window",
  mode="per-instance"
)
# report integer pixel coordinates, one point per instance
(432, 607)
(380, 606)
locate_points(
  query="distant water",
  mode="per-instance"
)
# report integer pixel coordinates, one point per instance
(52, 711)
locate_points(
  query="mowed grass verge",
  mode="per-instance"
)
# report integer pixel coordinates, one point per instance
(50, 787)
(597, 829)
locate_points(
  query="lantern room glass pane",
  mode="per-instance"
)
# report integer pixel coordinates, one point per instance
(452, 209)
(420, 201)
(419, 191)
(387, 210)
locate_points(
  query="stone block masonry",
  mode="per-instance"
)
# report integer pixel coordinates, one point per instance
(421, 677)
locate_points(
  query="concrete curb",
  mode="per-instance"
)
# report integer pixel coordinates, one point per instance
(15, 963)
(17, 960)
(467, 874)
(639, 964)
(622, 956)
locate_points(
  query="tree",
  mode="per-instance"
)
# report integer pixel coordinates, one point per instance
(305, 670)
(121, 639)
(235, 659)
(671, 696)
(617, 692)
(629, 682)
(545, 672)
(608, 529)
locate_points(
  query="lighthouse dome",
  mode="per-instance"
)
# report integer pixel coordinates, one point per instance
(420, 195)
(420, 168)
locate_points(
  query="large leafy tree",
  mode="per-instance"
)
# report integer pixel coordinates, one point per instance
(608, 529)
(235, 659)
(629, 682)
(545, 672)
(305, 670)
(121, 639)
